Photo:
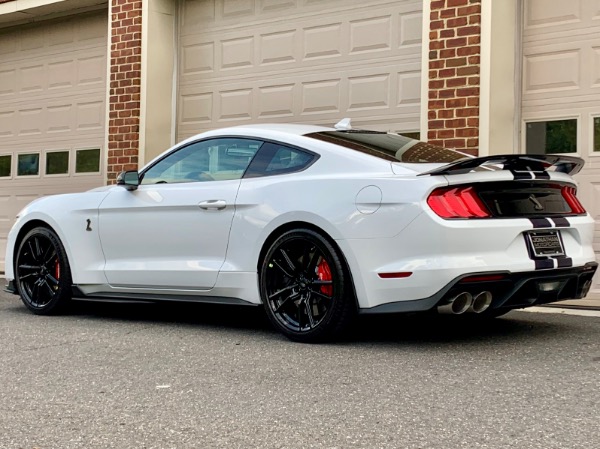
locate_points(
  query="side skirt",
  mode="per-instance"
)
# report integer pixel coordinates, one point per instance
(145, 297)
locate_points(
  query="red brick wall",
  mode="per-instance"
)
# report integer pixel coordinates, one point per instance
(125, 82)
(454, 64)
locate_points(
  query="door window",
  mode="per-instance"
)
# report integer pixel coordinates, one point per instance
(208, 160)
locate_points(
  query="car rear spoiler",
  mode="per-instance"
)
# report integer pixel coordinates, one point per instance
(523, 164)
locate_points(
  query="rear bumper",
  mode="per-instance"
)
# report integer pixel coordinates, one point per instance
(513, 291)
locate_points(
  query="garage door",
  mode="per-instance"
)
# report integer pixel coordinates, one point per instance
(561, 90)
(52, 96)
(301, 61)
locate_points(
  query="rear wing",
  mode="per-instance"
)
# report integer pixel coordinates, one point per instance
(525, 166)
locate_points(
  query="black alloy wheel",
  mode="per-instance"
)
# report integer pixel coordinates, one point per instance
(302, 285)
(42, 272)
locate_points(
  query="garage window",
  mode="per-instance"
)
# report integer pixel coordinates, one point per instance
(596, 133)
(5, 162)
(551, 137)
(57, 163)
(28, 164)
(87, 161)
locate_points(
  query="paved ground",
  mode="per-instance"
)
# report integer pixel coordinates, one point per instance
(147, 376)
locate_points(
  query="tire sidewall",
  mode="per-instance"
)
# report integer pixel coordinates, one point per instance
(335, 319)
(63, 295)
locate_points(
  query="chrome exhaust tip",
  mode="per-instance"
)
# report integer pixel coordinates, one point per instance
(481, 302)
(457, 305)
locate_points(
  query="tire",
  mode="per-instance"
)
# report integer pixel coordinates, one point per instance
(43, 273)
(304, 287)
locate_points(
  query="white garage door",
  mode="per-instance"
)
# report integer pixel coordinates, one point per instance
(301, 61)
(561, 89)
(52, 96)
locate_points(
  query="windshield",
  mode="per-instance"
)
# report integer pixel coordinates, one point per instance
(391, 147)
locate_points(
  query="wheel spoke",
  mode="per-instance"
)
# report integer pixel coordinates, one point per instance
(49, 288)
(319, 294)
(52, 279)
(278, 265)
(319, 282)
(285, 301)
(38, 249)
(312, 263)
(27, 276)
(311, 319)
(31, 251)
(283, 290)
(288, 260)
(29, 267)
(300, 317)
(52, 256)
(35, 294)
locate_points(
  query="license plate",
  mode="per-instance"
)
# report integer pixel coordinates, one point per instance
(546, 243)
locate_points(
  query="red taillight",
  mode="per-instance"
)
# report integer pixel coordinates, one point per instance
(457, 202)
(569, 194)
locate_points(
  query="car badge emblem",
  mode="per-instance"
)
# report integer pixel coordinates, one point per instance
(536, 204)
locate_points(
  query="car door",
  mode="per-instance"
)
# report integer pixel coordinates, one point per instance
(172, 232)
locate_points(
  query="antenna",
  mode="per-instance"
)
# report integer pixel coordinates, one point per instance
(343, 125)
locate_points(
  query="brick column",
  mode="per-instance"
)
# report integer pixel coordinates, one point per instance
(125, 81)
(454, 66)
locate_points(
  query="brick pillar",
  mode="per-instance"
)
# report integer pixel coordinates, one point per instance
(454, 65)
(125, 82)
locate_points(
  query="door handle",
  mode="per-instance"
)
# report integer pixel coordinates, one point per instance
(213, 205)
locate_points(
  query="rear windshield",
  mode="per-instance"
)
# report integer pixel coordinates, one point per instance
(391, 147)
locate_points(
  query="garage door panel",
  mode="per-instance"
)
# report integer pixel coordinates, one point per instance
(323, 97)
(289, 63)
(561, 80)
(302, 43)
(52, 97)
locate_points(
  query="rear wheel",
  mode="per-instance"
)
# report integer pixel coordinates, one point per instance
(303, 285)
(42, 272)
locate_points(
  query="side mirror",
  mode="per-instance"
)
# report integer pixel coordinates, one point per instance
(129, 179)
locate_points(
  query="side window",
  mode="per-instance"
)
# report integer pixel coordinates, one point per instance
(277, 159)
(208, 160)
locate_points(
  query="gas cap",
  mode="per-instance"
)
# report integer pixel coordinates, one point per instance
(368, 200)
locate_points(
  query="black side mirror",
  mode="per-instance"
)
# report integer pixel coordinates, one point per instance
(129, 179)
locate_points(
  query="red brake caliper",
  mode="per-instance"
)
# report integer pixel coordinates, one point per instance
(324, 274)
(57, 270)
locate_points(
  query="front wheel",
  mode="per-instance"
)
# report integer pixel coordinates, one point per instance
(304, 287)
(42, 272)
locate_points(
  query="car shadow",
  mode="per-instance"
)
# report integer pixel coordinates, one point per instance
(408, 329)
(405, 328)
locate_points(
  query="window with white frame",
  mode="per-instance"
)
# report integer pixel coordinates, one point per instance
(5, 165)
(551, 136)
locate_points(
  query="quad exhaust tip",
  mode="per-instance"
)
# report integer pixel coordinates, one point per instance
(466, 302)
(481, 302)
(457, 305)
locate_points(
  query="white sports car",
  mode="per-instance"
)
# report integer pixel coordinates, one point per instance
(317, 224)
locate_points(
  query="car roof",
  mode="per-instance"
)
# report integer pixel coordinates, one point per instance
(286, 128)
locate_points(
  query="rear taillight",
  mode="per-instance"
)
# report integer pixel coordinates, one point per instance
(569, 194)
(457, 202)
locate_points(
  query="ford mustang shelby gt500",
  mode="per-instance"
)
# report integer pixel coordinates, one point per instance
(317, 224)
